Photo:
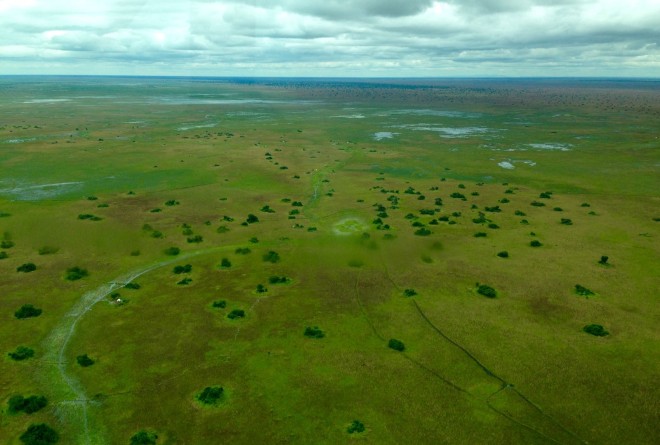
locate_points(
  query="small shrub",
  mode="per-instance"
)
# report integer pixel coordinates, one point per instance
(519, 213)
(458, 196)
(251, 219)
(545, 195)
(221, 304)
(75, 273)
(493, 226)
(486, 291)
(3, 255)
(566, 222)
(6, 244)
(278, 280)
(171, 202)
(172, 251)
(236, 313)
(557, 209)
(603, 260)
(28, 405)
(225, 263)
(595, 329)
(583, 291)
(144, 437)
(27, 267)
(27, 311)
(585, 204)
(134, 286)
(503, 254)
(222, 229)
(243, 250)
(39, 434)
(480, 235)
(297, 204)
(21, 353)
(182, 269)
(48, 250)
(409, 292)
(85, 361)
(186, 281)
(271, 257)
(261, 289)
(537, 204)
(395, 344)
(423, 231)
(535, 243)
(195, 239)
(494, 209)
(355, 427)
(314, 332)
(267, 209)
(211, 395)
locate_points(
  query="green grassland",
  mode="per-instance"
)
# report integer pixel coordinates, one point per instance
(367, 201)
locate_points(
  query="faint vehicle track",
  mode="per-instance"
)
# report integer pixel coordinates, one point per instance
(69, 389)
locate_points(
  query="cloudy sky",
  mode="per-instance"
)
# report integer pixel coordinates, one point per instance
(394, 38)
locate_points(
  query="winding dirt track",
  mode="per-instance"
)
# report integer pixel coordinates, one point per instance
(73, 405)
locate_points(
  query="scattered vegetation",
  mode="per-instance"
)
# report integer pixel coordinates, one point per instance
(172, 251)
(355, 427)
(28, 405)
(179, 269)
(220, 304)
(583, 291)
(211, 395)
(486, 290)
(85, 361)
(48, 250)
(271, 257)
(27, 311)
(236, 313)
(409, 293)
(595, 329)
(21, 353)
(144, 437)
(395, 344)
(26, 267)
(39, 434)
(75, 273)
(314, 332)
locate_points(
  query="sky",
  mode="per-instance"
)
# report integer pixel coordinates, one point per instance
(332, 38)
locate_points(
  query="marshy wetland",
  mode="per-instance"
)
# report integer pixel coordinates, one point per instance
(204, 261)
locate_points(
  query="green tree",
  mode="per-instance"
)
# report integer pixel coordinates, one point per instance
(27, 267)
(595, 329)
(395, 344)
(75, 273)
(27, 311)
(39, 434)
(85, 361)
(355, 427)
(271, 257)
(21, 353)
(144, 437)
(236, 313)
(211, 395)
(486, 290)
(314, 332)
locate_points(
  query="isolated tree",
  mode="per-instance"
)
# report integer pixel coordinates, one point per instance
(27, 311)
(211, 395)
(486, 290)
(395, 344)
(236, 313)
(355, 427)
(595, 329)
(271, 257)
(39, 434)
(75, 273)
(27, 267)
(144, 437)
(85, 361)
(172, 251)
(314, 332)
(21, 353)
(603, 260)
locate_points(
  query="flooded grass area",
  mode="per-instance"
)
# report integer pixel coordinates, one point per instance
(272, 238)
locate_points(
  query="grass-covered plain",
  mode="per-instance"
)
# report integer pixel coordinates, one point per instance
(217, 261)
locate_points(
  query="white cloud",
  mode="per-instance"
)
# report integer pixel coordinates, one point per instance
(332, 37)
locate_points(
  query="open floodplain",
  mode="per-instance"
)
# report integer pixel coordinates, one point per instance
(321, 262)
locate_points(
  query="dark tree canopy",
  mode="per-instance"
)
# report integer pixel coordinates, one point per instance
(39, 434)
(27, 311)
(21, 353)
(395, 344)
(211, 395)
(144, 437)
